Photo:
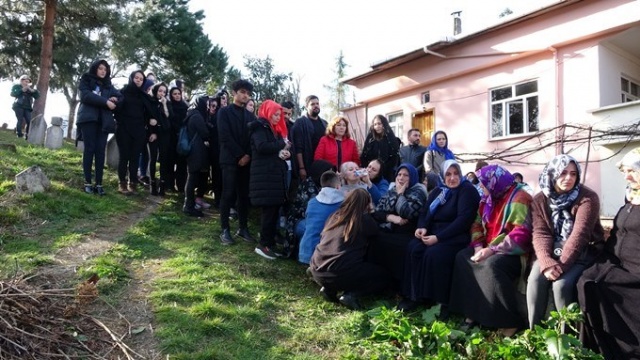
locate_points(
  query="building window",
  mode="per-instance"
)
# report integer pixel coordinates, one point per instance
(514, 109)
(630, 90)
(426, 97)
(395, 122)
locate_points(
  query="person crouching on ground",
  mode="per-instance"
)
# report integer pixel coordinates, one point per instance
(338, 263)
(269, 151)
(318, 211)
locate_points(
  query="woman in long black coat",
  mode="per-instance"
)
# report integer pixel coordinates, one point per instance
(609, 291)
(443, 230)
(198, 158)
(267, 183)
(132, 117)
(177, 163)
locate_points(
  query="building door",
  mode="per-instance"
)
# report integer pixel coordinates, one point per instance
(425, 121)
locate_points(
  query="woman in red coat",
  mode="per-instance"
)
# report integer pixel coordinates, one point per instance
(337, 146)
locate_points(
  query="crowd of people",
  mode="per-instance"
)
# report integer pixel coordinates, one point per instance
(388, 217)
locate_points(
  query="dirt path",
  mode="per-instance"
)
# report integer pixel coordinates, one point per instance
(131, 317)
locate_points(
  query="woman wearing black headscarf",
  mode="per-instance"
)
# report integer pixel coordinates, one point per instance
(177, 163)
(132, 118)
(198, 158)
(160, 138)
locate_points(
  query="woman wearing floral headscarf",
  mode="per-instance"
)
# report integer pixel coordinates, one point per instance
(437, 152)
(566, 221)
(442, 231)
(486, 274)
(609, 291)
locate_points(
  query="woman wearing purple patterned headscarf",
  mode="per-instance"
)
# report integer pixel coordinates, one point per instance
(566, 220)
(609, 291)
(486, 274)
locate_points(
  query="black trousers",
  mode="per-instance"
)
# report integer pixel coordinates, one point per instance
(95, 146)
(130, 145)
(159, 151)
(269, 225)
(235, 184)
(366, 278)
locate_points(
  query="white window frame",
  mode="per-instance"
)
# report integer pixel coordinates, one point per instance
(630, 89)
(396, 120)
(425, 97)
(521, 100)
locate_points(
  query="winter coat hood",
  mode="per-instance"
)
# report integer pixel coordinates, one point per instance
(329, 195)
(93, 72)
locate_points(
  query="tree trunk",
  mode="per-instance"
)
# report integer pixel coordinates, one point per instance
(46, 56)
(72, 100)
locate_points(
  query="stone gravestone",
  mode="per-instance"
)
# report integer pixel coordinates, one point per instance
(54, 135)
(113, 153)
(32, 180)
(37, 130)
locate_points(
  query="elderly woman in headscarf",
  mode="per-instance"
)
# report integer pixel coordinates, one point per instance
(437, 153)
(566, 227)
(269, 150)
(609, 291)
(486, 274)
(397, 215)
(198, 159)
(443, 230)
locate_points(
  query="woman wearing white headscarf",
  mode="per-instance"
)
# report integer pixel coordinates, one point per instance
(609, 291)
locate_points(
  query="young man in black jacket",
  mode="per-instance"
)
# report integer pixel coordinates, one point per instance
(235, 150)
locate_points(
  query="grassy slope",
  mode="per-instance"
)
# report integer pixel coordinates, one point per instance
(210, 301)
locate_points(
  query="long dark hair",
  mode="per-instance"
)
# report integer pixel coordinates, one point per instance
(388, 131)
(350, 213)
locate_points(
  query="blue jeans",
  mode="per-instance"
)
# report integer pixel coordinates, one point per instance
(23, 116)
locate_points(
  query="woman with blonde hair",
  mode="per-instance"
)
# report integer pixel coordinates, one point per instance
(337, 146)
(338, 263)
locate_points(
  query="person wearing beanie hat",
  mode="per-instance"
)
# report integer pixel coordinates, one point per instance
(24, 95)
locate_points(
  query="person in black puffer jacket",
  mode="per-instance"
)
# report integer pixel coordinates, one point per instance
(160, 138)
(177, 163)
(132, 118)
(98, 98)
(267, 183)
(198, 158)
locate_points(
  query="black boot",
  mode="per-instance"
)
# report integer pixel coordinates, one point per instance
(161, 188)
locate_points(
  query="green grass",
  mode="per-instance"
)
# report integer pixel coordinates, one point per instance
(210, 301)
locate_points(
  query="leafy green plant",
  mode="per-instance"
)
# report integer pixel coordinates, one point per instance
(394, 335)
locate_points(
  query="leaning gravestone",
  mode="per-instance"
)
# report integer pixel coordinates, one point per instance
(113, 153)
(55, 134)
(32, 180)
(37, 130)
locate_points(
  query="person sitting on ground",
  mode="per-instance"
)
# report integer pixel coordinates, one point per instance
(609, 291)
(486, 274)
(307, 190)
(442, 231)
(318, 211)
(566, 228)
(397, 215)
(351, 176)
(337, 146)
(339, 262)
(377, 185)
